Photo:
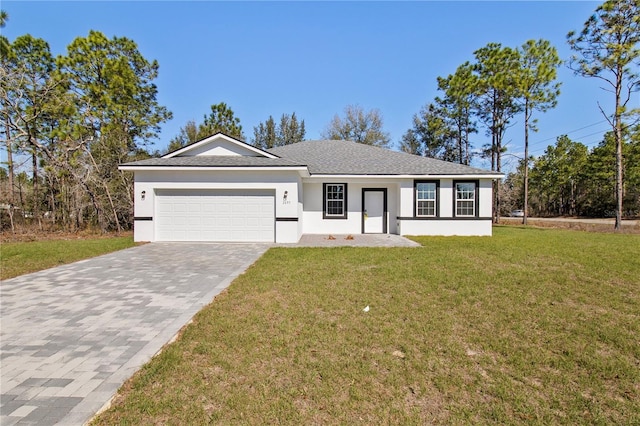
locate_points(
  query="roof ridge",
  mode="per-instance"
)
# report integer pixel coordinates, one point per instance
(381, 160)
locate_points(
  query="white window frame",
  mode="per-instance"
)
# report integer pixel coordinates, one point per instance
(466, 200)
(433, 200)
(325, 195)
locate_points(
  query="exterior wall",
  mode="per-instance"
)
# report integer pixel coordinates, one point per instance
(445, 197)
(445, 223)
(287, 218)
(302, 210)
(486, 198)
(446, 227)
(312, 216)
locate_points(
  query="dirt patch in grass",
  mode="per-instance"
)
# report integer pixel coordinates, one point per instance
(574, 226)
(34, 234)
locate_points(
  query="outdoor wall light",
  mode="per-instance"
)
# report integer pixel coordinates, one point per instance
(143, 194)
(286, 194)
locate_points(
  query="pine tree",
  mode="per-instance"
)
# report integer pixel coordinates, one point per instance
(607, 49)
(539, 62)
(269, 135)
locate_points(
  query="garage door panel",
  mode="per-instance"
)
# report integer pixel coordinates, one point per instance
(215, 215)
(178, 207)
(210, 209)
(162, 209)
(224, 208)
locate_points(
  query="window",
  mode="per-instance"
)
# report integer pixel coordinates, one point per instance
(466, 201)
(335, 201)
(426, 199)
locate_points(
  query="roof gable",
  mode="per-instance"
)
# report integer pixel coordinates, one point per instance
(219, 145)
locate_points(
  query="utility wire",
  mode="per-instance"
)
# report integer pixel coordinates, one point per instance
(538, 143)
(578, 139)
(568, 133)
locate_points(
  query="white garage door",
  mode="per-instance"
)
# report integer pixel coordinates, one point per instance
(215, 215)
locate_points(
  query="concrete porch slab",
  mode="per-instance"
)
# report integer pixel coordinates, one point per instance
(353, 240)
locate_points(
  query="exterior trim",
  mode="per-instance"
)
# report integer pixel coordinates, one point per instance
(415, 197)
(286, 219)
(146, 218)
(443, 218)
(324, 200)
(244, 168)
(476, 202)
(384, 207)
(407, 176)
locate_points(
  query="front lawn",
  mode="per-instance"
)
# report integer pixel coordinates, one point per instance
(20, 258)
(531, 326)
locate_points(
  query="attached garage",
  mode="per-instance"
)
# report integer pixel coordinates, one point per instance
(215, 215)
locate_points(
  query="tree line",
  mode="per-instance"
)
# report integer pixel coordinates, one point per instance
(570, 179)
(76, 116)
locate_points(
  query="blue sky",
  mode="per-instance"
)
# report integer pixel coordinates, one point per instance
(314, 58)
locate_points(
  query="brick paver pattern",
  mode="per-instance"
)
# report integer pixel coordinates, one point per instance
(70, 336)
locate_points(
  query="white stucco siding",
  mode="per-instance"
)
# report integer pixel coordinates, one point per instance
(313, 221)
(300, 209)
(446, 227)
(446, 198)
(406, 198)
(279, 182)
(486, 198)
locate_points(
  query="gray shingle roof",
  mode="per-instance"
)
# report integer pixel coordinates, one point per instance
(333, 157)
(327, 157)
(215, 161)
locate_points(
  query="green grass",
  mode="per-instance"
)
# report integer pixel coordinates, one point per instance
(25, 257)
(530, 326)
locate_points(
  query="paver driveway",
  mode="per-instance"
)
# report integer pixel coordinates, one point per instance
(71, 335)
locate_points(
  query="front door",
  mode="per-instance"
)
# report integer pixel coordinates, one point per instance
(374, 211)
